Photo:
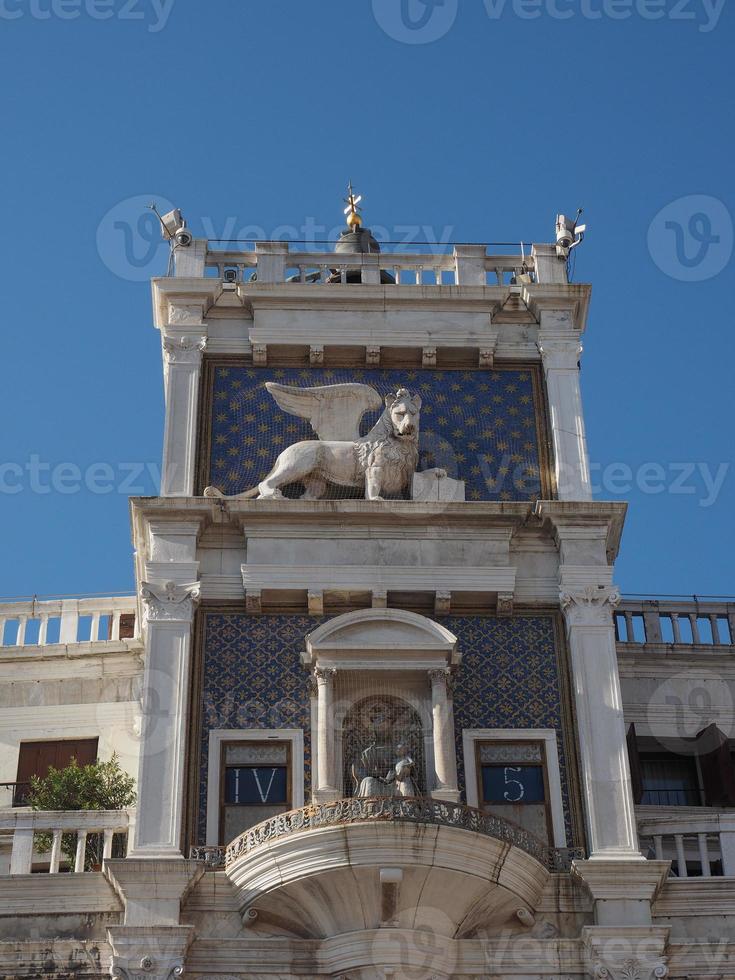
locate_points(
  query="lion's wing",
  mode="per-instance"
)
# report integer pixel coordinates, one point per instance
(334, 411)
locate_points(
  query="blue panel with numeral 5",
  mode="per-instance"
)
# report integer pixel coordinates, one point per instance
(513, 784)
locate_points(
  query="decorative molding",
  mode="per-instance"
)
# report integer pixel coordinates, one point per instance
(253, 602)
(372, 357)
(442, 603)
(169, 602)
(184, 350)
(316, 603)
(505, 604)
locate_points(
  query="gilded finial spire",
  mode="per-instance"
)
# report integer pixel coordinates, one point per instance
(354, 219)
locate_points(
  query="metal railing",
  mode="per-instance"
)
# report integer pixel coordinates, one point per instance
(14, 794)
(34, 622)
(400, 810)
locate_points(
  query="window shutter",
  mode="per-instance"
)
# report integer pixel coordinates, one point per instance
(636, 777)
(718, 776)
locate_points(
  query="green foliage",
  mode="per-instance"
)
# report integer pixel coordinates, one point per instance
(100, 786)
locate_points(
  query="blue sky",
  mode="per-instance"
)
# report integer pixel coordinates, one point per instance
(255, 113)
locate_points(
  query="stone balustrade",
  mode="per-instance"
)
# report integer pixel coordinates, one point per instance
(698, 844)
(275, 262)
(23, 825)
(43, 623)
(691, 623)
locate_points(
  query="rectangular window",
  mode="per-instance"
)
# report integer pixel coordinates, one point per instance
(36, 758)
(255, 784)
(669, 780)
(513, 784)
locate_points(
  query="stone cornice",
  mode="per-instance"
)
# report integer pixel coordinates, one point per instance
(575, 518)
(574, 298)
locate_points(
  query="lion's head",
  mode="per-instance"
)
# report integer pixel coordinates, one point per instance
(403, 412)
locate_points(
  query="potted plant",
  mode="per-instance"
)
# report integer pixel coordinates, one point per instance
(99, 786)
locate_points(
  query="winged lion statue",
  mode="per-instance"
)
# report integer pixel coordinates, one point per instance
(383, 461)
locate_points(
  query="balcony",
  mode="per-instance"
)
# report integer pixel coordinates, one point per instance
(676, 625)
(18, 829)
(700, 843)
(403, 856)
(44, 626)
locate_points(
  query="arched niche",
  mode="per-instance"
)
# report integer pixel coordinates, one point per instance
(377, 652)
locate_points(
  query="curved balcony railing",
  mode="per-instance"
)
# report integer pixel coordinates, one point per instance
(400, 810)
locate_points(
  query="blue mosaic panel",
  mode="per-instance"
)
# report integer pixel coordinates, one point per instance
(253, 679)
(509, 678)
(481, 426)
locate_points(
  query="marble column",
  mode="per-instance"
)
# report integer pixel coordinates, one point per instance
(588, 613)
(326, 790)
(182, 363)
(169, 616)
(445, 754)
(560, 351)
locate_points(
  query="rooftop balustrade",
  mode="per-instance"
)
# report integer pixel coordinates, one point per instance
(51, 622)
(277, 262)
(684, 622)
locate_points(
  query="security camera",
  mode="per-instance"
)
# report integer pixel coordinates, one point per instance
(230, 275)
(564, 231)
(569, 234)
(183, 237)
(171, 222)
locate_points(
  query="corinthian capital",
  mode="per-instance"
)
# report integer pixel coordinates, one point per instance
(184, 350)
(591, 604)
(560, 353)
(169, 602)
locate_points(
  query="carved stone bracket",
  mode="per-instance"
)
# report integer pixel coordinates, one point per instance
(442, 603)
(372, 357)
(169, 602)
(316, 355)
(636, 953)
(253, 602)
(149, 953)
(260, 355)
(316, 603)
(428, 357)
(184, 350)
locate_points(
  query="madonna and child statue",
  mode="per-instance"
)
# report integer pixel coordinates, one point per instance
(371, 779)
